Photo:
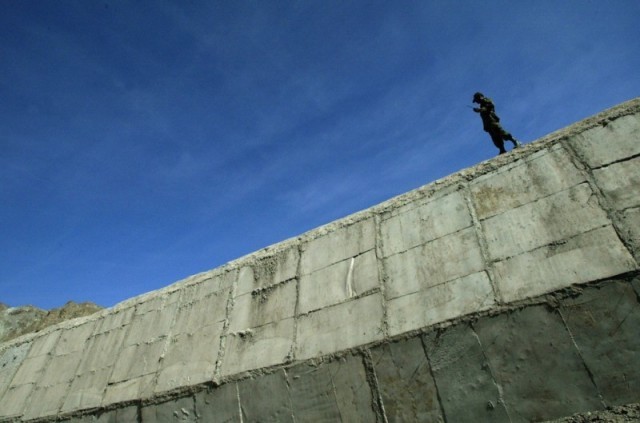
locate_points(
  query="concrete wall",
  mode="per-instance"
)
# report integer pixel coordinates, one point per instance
(506, 292)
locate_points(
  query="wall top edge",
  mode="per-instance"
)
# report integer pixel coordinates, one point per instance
(424, 192)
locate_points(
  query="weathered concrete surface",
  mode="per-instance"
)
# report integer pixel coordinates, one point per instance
(459, 301)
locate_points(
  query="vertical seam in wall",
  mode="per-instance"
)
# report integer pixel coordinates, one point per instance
(165, 348)
(482, 242)
(124, 339)
(579, 352)
(286, 380)
(433, 377)
(493, 377)
(372, 378)
(225, 327)
(296, 308)
(239, 403)
(610, 211)
(382, 275)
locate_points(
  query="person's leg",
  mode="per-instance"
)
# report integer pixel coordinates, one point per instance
(498, 142)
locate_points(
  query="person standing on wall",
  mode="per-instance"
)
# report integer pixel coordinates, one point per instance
(491, 122)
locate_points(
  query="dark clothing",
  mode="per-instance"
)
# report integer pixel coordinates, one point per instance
(491, 123)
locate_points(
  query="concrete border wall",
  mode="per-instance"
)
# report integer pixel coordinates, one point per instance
(486, 245)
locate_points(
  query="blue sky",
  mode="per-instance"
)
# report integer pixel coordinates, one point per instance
(145, 141)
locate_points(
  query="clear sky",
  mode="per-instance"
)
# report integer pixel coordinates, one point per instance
(145, 141)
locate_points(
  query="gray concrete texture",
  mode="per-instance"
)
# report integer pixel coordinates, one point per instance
(563, 211)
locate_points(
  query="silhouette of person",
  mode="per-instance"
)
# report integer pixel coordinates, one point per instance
(491, 122)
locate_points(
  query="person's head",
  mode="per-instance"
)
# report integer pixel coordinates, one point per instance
(477, 97)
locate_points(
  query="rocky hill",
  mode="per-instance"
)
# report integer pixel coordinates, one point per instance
(17, 321)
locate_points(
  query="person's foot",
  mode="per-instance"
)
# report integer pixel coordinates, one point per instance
(516, 143)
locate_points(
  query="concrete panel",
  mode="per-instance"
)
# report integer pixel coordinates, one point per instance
(468, 392)
(118, 318)
(74, 338)
(102, 350)
(338, 282)
(534, 360)
(447, 258)
(335, 391)
(44, 344)
(132, 389)
(591, 256)
(404, 379)
(30, 370)
(340, 244)
(630, 226)
(220, 404)
(553, 218)
(524, 181)
(606, 144)
(190, 358)
(264, 306)
(269, 270)
(14, 400)
(442, 302)
(151, 325)
(206, 285)
(60, 369)
(87, 390)
(266, 399)
(137, 360)
(604, 322)
(45, 401)
(340, 327)
(205, 311)
(178, 410)
(423, 223)
(260, 347)
(620, 183)
(10, 360)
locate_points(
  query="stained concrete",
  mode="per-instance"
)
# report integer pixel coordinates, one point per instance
(523, 269)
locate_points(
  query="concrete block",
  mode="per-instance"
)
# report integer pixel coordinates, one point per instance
(45, 401)
(256, 348)
(44, 344)
(60, 369)
(340, 327)
(551, 219)
(338, 282)
(591, 256)
(518, 183)
(102, 350)
(207, 285)
(74, 338)
(31, 369)
(151, 325)
(407, 388)
(423, 223)
(606, 144)
(119, 415)
(533, 359)
(604, 322)
(620, 183)
(340, 244)
(114, 320)
(630, 227)
(208, 310)
(335, 391)
(265, 399)
(10, 360)
(190, 358)
(87, 390)
(442, 302)
(220, 404)
(467, 390)
(129, 390)
(178, 410)
(447, 258)
(137, 360)
(263, 306)
(269, 270)
(14, 399)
